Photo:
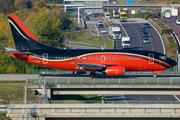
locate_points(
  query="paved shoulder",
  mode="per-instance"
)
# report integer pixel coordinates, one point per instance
(17, 76)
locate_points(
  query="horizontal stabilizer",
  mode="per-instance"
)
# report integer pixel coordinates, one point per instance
(10, 49)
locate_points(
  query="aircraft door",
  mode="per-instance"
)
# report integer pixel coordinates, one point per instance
(102, 58)
(45, 58)
(151, 58)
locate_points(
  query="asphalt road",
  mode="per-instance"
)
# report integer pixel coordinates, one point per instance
(92, 24)
(172, 24)
(136, 99)
(10, 77)
(132, 28)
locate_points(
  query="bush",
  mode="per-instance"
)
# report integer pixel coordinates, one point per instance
(73, 37)
(166, 31)
(173, 56)
(114, 45)
(143, 15)
(172, 45)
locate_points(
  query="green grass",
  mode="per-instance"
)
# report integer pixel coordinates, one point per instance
(86, 37)
(76, 98)
(3, 117)
(14, 91)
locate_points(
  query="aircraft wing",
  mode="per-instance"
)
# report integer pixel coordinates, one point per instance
(90, 66)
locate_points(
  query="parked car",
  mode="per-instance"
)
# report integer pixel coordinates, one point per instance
(143, 29)
(146, 40)
(114, 2)
(103, 31)
(87, 18)
(145, 34)
(147, 25)
(178, 22)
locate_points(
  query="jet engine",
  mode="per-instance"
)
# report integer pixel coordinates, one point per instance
(115, 70)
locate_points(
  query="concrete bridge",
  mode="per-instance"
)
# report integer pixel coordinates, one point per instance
(50, 111)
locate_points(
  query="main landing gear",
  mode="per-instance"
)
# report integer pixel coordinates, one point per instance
(93, 74)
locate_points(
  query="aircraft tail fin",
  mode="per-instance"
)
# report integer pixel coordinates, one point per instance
(23, 38)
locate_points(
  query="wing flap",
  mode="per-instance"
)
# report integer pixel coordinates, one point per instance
(90, 66)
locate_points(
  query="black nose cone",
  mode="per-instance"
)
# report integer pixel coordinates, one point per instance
(171, 62)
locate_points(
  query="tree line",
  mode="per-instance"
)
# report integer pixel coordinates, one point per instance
(44, 22)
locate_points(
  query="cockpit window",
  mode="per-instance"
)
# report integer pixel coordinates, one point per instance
(163, 57)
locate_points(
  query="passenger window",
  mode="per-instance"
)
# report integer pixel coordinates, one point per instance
(96, 57)
(128, 57)
(125, 57)
(99, 57)
(134, 57)
(84, 57)
(93, 57)
(89, 57)
(131, 57)
(113, 57)
(140, 58)
(81, 57)
(116, 57)
(122, 57)
(105, 57)
(61, 57)
(137, 58)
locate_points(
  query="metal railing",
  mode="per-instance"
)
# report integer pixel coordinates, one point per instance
(32, 71)
(96, 102)
(104, 81)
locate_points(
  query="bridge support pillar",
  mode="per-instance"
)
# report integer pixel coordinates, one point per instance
(178, 61)
(64, 8)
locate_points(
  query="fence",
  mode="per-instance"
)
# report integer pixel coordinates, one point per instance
(104, 81)
(32, 71)
(96, 102)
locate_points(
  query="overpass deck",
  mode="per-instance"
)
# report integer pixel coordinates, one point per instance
(42, 111)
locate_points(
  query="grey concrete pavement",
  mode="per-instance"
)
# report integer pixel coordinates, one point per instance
(9, 77)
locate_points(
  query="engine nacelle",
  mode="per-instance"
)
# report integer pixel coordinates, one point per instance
(115, 70)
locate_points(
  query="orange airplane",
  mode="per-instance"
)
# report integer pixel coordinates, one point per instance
(107, 61)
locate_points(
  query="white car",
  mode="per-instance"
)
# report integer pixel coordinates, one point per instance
(114, 2)
(178, 22)
(103, 31)
(146, 40)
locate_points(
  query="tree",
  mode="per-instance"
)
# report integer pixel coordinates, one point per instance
(48, 29)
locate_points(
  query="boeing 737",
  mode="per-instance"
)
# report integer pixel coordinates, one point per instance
(111, 62)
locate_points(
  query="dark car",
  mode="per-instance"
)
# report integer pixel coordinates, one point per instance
(143, 29)
(100, 25)
(145, 34)
(147, 25)
(158, 15)
(94, 15)
(87, 18)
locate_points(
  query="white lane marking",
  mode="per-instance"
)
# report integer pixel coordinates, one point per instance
(177, 98)
(123, 98)
(122, 28)
(138, 35)
(149, 38)
(159, 36)
(95, 27)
